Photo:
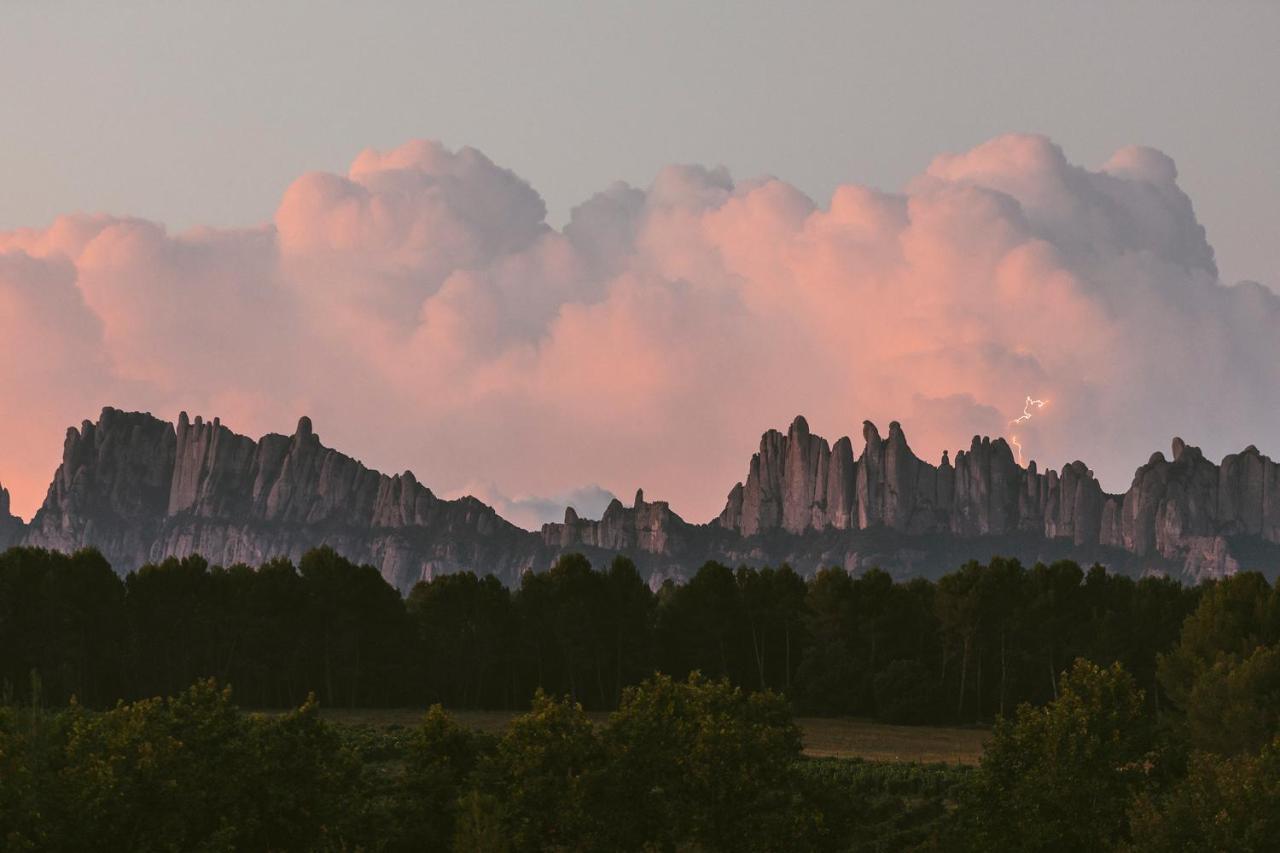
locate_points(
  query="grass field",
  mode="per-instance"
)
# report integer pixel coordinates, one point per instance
(823, 737)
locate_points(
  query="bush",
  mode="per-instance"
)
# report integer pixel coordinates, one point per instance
(869, 806)
(1234, 705)
(540, 777)
(440, 757)
(185, 773)
(1061, 777)
(26, 740)
(700, 762)
(1222, 804)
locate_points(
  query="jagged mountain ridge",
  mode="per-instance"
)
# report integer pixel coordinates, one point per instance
(141, 489)
(1183, 510)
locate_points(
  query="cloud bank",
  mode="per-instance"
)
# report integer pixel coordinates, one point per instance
(423, 312)
(532, 511)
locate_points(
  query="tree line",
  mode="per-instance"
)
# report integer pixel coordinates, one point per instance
(1189, 761)
(970, 646)
(1094, 769)
(680, 765)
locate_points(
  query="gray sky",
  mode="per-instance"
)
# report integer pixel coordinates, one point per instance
(202, 113)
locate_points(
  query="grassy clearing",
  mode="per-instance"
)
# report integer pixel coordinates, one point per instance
(823, 737)
(873, 741)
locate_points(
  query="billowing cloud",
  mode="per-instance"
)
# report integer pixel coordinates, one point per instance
(533, 511)
(423, 312)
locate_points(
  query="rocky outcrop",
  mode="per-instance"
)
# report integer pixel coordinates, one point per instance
(647, 528)
(1189, 510)
(110, 490)
(10, 525)
(1182, 514)
(141, 489)
(797, 483)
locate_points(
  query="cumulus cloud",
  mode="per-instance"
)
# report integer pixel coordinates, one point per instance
(422, 311)
(533, 511)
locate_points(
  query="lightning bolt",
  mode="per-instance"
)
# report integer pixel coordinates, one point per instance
(1022, 419)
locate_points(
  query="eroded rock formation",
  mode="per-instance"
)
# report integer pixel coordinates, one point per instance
(650, 528)
(1184, 512)
(141, 489)
(10, 525)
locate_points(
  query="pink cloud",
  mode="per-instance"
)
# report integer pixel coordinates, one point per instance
(421, 310)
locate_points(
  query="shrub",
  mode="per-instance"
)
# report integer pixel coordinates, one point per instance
(440, 757)
(701, 762)
(540, 775)
(185, 773)
(1061, 777)
(1223, 804)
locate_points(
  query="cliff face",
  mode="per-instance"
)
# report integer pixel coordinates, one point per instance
(1189, 510)
(649, 528)
(798, 483)
(1182, 514)
(10, 525)
(141, 489)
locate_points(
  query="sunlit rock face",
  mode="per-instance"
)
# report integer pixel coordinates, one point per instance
(644, 527)
(1181, 515)
(141, 489)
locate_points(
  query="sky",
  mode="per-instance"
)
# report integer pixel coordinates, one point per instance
(222, 208)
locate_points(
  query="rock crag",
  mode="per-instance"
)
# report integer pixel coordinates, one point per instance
(141, 489)
(1180, 515)
(10, 525)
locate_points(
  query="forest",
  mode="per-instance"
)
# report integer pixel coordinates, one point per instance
(969, 647)
(1137, 716)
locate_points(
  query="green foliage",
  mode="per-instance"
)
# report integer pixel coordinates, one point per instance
(906, 692)
(62, 616)
(968, 647)
(1224, 673)
(464, 626)
(187, 773)
(866, 806)
(480, 828)
(440, 758)
(26, 742)
(1088, 762)
(583, 633)
(1061, 777)
(828, 677)
(1234, 705)
(540, 776)
(681, 765)
(700, 624)
(700, 761)
(358, 624)
(1224, 803)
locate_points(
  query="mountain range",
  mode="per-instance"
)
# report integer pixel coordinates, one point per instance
(141, 489)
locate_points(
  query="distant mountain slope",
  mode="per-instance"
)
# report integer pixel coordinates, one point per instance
(141, 489)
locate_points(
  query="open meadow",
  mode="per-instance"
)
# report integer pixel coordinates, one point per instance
(823, 737)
